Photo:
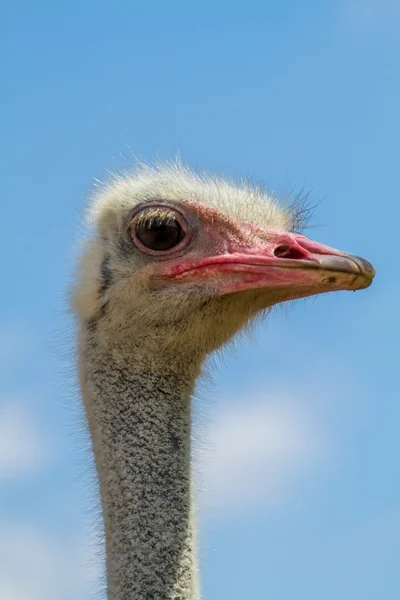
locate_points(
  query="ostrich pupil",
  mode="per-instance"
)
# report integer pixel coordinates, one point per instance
(160, 235)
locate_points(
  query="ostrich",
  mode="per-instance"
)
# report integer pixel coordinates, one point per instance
(175, 265)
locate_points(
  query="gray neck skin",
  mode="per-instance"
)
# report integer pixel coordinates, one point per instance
(139, 420)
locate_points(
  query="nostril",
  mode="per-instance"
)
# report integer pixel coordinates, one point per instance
(281, 251)
(285, 251)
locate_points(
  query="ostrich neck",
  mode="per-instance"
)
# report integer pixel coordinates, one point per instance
(139, 418)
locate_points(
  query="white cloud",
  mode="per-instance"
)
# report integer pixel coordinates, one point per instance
(371, 15)
(36, 566)
(256, 451)
(22, 450)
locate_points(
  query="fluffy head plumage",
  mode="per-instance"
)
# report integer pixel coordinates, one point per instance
(172, 181)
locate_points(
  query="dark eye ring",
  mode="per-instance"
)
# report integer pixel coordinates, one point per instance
(158, 230)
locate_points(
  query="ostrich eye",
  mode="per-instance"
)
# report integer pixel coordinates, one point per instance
(159, 232)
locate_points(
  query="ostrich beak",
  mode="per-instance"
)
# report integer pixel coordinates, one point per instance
(286, 264)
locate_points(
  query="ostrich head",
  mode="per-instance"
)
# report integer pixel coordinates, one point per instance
(193, 259)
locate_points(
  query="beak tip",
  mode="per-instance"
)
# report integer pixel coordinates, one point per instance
(365, 267)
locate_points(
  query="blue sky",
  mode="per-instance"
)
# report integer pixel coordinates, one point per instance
(300, 486)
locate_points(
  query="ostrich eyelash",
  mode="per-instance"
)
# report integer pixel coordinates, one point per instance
(156, 216)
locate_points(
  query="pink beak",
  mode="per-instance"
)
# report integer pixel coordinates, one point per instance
(289, 264)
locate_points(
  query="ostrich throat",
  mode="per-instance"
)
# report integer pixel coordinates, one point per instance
(139, 415)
